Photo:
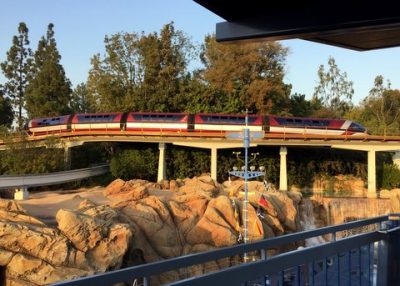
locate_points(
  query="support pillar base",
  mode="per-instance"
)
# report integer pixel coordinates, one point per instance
(21, 194)
(372, 195)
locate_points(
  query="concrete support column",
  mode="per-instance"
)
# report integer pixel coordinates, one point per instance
(21, 194)
(396, 159)
(214, 164)
(371, 174)
(283, 170)
(67, 158)
(162, 171)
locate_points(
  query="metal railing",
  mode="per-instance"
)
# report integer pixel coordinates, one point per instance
(33, 180)
(370, 258)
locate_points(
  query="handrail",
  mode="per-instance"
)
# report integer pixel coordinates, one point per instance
(158, 267)
(235, 275)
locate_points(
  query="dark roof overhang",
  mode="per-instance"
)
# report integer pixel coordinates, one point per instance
(357, 25)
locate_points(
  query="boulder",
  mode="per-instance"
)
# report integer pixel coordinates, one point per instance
(114, 187)
(25, 268)
(215, 228)
(104, 243)
(82, 230)
(286, 211)
(154, 219)
(255, 227)
(200, 184)
(130, 190)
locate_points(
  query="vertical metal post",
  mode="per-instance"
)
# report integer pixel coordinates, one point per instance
(382, 269)
(369, 265)
(246, 142)
(389, 255)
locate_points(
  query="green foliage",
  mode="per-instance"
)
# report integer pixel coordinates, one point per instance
(334, 89)
(244, 76)
(88, 154)
(382, 108)
(300, 106)
(141, 72)
(390, 177)
(17, 70)
(140, 164)
(22, 157)
(49, 91)
(6, 113)
(184, 162)
(79, 100)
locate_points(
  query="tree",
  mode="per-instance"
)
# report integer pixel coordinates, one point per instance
(80, 102)
(246, 75)
(16, 69)
(300, 106)
(49, 90)
(140, 72)
(6, 113)
(334, 89)
(382, 106)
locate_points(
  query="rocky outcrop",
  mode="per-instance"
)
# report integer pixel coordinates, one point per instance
(343, 185)
(34, 254)
(130, 190)
(143, 223)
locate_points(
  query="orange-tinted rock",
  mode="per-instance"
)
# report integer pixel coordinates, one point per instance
(213, 228)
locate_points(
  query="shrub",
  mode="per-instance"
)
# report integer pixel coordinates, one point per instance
(390, 176)
(138, 164)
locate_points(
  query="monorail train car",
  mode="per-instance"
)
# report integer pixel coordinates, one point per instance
(97, 121)
(48, 125)
(158, 122)
(200, 123)
(205, 122)
(279, 124)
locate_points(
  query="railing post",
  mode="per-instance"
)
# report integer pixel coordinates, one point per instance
(389, 254)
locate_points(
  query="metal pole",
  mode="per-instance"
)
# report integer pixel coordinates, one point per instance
(246, 174)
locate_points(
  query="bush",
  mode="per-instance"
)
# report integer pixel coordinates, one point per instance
(23, 157)
(183, 162)
(390, 176)
(138, 164)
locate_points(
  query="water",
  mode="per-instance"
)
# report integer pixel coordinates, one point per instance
(307, 222)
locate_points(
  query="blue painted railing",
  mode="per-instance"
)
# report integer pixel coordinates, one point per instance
(368, 258)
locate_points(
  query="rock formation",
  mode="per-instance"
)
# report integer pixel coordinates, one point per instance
(33, 254)
(144, 222)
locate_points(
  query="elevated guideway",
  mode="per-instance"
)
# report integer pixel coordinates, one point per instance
(220, 140)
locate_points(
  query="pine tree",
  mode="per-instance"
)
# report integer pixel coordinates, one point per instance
(49, 91)
(17, 69)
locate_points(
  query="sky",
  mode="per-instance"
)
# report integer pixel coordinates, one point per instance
(81, 25)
